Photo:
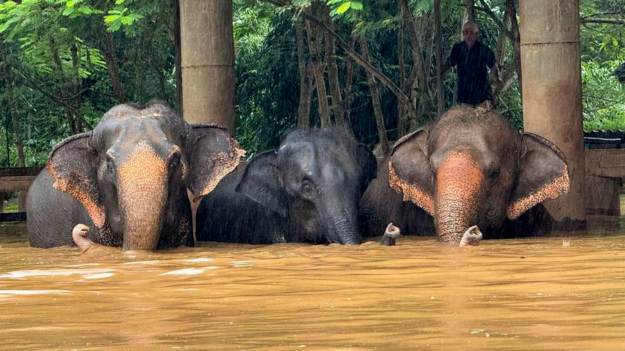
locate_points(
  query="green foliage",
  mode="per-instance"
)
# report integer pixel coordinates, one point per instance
(342, 7)
(267, 84)
(267, 77)
(603, 97)
(34, 30)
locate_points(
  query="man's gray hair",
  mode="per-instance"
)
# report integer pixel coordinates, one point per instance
(472, 25)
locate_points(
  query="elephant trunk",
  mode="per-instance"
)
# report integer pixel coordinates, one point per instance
(143, 195)
(458, 184)
(343, 226)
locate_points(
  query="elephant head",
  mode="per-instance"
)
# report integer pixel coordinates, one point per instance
(132, 171)
(472, 168)
(314, 181)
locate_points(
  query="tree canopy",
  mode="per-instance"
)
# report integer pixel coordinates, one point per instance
(367, 65)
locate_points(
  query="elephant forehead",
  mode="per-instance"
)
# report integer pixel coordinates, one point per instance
(131, 131)
(333, 173)
(142, 163)
(460, 166)
(300, 156)
(131, 139)
(487, 153)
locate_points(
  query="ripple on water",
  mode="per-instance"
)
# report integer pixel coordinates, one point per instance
(4, 293)
(53, 272)
(190, 271)
(519, 294)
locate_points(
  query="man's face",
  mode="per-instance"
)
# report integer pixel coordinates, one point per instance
(470, 35)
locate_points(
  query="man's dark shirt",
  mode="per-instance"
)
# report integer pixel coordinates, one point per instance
(473, 83)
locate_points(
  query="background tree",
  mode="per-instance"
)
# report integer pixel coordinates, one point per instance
(65, 62)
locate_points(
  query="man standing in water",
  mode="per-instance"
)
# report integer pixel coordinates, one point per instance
(471, 57)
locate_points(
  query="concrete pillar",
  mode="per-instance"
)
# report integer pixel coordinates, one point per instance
(207, 64)
(552, 97)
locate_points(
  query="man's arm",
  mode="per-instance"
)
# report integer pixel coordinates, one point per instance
(451, 60)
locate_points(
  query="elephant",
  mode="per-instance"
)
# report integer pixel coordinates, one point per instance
(306, 191)
(79, 235)
(391, 233)
(127, 180)
(469, 167)
(88, 247)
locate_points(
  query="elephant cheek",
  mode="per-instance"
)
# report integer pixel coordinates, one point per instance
(459, 181)
(142, 188)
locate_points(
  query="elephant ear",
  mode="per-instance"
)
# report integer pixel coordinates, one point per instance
(72, 164)
(410, 172)
(543, 175)
(369, 165)
(213, 154)
(262, 183)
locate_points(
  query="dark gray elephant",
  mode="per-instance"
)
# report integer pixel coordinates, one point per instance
(305, 191)
(128, 179)
(468, 168)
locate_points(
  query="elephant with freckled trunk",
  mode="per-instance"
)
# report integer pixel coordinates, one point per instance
(305, 191)
(128, 179)
(468, 168)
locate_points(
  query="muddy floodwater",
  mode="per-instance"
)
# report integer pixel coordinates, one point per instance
(522, 294)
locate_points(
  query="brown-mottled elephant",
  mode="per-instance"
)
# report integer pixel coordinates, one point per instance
(128, 180)
(468, 168)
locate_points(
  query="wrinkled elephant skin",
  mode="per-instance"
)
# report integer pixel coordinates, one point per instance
(307, 190)
(128, 179)
(468, 168)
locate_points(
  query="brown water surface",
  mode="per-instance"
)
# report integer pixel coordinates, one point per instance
(526, 294)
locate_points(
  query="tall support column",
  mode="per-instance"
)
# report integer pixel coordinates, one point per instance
(552, 97)
(208, 62)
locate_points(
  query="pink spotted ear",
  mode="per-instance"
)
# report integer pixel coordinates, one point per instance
(409, 170)
(73, 166)
(543, 175)
(214, 154)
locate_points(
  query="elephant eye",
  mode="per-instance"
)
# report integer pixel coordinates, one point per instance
(494, 174)
(110, 165)
(307, 188)
(174, 161)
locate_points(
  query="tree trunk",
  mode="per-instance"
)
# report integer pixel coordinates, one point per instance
(60, 73)
(111, 65)
(347, 92)
(77, 100)
(315, 57)
(375, 100)
(516, 42)
(15, 118)
(333, 73)
(178, 69)
(305, 79)
(401, 106)
(418, 63)
(386, 81)
(471, 10)
(439, 58)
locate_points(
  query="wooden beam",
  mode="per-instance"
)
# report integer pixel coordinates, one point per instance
(605, 163)
(15, 183)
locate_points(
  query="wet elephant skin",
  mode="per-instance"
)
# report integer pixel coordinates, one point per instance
(307, 190)
(128, 179)
(468, 168)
